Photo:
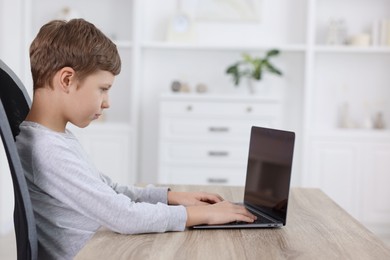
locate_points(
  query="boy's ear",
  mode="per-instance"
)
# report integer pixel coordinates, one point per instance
(67, 77)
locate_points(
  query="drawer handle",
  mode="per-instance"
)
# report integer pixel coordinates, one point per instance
(218, 129)
(217, 180)
(218, 153)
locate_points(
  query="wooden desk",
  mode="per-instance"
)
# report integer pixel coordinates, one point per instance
(317, 228)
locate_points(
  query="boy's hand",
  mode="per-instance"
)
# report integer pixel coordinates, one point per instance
(218, 213)
(192, 198)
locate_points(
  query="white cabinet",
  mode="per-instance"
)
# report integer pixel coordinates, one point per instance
(334, 167)
(205, 139)
(375, 206)
(353, 169)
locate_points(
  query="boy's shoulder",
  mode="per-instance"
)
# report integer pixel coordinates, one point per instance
(37, 135)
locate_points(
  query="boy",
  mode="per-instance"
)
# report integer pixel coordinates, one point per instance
(73, 65)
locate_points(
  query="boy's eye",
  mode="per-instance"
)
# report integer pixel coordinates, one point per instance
(104, 89)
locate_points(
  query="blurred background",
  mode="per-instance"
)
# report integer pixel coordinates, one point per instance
(177, 116)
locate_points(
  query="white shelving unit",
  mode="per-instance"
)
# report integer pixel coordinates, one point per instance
(318, 79)
(349, 164)
(205, 61)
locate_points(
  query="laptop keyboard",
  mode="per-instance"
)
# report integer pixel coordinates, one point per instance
(260, 219)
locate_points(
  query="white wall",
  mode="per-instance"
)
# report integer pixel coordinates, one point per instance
(12, 38)
(11, 52)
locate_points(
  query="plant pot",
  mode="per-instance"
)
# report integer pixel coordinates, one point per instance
(257, 87)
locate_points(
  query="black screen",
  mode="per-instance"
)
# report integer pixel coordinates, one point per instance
(269, 171)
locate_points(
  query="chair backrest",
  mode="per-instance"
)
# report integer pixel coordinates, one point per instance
(14, 106)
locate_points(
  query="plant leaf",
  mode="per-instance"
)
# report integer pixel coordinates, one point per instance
(257, 74)
(272, 52)
(234, 71)
(232, 68)
(257, 68)
(252, 67)
(273, 70)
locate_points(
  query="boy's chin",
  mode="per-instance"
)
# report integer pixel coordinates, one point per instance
(81, 124)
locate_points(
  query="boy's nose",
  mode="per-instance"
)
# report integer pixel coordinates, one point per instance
(105, 104)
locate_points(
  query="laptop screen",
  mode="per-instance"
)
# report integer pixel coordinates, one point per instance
(269, 171)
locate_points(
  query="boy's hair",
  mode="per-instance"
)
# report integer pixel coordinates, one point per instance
(77, 44)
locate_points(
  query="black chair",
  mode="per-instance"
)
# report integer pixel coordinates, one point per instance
(14, 106)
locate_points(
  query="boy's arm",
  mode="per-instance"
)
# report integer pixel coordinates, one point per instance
(192, 198)
(71, 182)
(150, 193)
(199, 210)
(153, 194)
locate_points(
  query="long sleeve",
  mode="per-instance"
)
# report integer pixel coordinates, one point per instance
(149, 194)
(66, 177)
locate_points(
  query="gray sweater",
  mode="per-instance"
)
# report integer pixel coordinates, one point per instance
(72, 199)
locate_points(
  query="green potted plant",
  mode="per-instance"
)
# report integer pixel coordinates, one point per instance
(253, 68)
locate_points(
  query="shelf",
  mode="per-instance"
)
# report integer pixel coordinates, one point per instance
(221, 47)
(220, 97)
(351, 49)
(282, 47)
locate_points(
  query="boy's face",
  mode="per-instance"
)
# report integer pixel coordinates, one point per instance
(90, 97)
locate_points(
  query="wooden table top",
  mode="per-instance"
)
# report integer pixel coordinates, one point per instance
(317, 228)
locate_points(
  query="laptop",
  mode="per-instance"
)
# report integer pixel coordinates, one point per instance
(268, 177)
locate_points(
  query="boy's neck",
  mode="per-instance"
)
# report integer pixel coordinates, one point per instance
(45, 111)
(32, 118)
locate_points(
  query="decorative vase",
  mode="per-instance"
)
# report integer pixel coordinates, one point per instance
(257, 87)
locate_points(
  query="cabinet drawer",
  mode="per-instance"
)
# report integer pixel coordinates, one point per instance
(188, 108)
(234, 176)
(208, 128)
(204, 153)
